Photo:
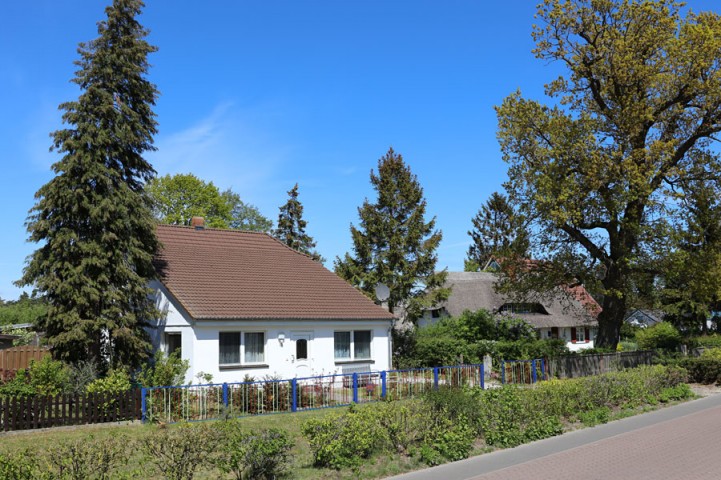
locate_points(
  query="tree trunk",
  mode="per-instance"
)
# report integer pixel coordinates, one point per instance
(611, 317)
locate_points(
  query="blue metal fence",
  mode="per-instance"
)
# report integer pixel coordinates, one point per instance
(523, 371)
(213, 401)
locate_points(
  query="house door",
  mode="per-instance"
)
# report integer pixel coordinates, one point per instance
(301, 353)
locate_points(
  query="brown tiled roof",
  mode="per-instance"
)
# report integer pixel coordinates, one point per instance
(230, 274)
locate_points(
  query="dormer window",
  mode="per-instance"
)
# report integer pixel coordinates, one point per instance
(518, 308)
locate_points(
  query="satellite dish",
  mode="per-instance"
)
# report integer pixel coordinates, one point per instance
(382, 292)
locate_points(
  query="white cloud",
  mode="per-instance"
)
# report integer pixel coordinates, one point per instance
(225, 147)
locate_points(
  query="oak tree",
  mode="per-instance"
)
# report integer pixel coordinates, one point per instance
(635, 113)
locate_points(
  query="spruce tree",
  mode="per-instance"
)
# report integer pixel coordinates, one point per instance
(93, 219)
(394, 245)
(291, 227)
(497, 231)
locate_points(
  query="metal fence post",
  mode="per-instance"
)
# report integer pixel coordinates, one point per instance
(355, 388)
(383, 384)
(294, 395)
(534, 374)
(225, 395)
(143, 405)
(543, 369)
(435, 378)
(503, 372)
(482, 373)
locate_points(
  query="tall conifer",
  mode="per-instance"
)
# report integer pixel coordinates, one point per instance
(394, 245)
(497, 230)
(93, 219)
(291, 227)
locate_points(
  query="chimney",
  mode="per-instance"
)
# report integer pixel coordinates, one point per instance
(197, 223)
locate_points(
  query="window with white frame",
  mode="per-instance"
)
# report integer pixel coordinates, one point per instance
(234, 346)
(352, 345)
(580, 335)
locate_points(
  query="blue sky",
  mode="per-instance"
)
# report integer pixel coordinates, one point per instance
(256, 96)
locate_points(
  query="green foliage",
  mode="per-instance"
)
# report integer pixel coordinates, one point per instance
(48, 376)
(592, 168)
(447, 440)
(662, 336)
(497, 231)
(591, 418)
(25, 336)
(702, 370)
(344, 440)
(393, 244)
(712, 353)
(680, 392)
(19, 466)
(25, 309)
(92, 219)
(709, 341)
(258, 455)
(87, 458)
(178, 198)
(18, 386)
(474, 335)
(291, 227)
(114, 383)
(178, 452)
(163, 371)
(459, 405)
(626, 346)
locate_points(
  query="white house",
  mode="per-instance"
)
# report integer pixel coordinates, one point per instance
(570, 314)
(240, 304)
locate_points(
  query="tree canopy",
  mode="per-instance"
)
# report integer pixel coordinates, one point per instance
(633, 117)
(178, 198)
(393, 244)
(291, 227)
(93, 219)
(498, 230)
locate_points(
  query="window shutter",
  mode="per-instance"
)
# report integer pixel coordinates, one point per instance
(588, 334)
(573, 334)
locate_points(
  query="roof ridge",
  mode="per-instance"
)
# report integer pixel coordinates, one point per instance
(211, 229)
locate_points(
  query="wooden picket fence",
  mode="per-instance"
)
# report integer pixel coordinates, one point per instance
(16, 358)
(25, 413)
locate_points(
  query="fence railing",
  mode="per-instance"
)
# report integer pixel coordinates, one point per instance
(24, 413)
(205, 402)
(522, 371)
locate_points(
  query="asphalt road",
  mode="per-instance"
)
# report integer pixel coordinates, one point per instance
(679, 442)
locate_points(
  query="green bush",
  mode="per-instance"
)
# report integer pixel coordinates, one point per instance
(114, 383)
(455, 404)
(343, 440)
(19, 466)
(48, 376)
(708, 341)
(81, 375)
(627, 346)
(595, 417)
(177, 452)
(680, 392)
(18, 386)
(163, 371)
(447, 440)
(712, 353)
(662, 336)
(87, 458)
(702, 370)
(258, 455)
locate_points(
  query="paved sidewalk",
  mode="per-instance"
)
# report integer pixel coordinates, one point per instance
(680, 442)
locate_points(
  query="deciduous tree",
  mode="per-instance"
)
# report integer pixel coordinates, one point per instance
(93, 219)
(394, 244)
(634, 115)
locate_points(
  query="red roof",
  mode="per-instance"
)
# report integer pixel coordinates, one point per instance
(230, 274)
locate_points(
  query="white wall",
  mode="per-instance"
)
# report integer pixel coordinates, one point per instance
(200, 344)
(565, 334)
